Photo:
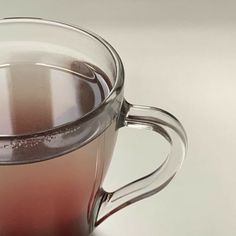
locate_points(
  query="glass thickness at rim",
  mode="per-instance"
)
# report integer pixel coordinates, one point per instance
(116, 88)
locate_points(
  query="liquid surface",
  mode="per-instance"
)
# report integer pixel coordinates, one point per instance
(37, 97)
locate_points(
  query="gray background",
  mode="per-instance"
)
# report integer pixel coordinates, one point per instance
(180, 56)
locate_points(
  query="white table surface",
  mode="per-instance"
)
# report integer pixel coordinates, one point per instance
(178, 55)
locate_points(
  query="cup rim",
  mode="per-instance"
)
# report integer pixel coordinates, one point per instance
(116, 88)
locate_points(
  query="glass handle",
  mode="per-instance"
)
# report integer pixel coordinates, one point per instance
(170, 128)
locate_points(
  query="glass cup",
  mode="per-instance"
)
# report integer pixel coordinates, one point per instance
(51, 178)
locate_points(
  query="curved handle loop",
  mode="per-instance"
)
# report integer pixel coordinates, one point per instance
(170, 128)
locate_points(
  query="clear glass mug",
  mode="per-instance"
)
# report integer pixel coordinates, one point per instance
(51, 179)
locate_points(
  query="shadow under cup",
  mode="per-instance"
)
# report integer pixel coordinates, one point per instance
(61, 96)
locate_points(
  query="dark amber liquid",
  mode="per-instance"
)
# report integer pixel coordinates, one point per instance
(53, 197)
